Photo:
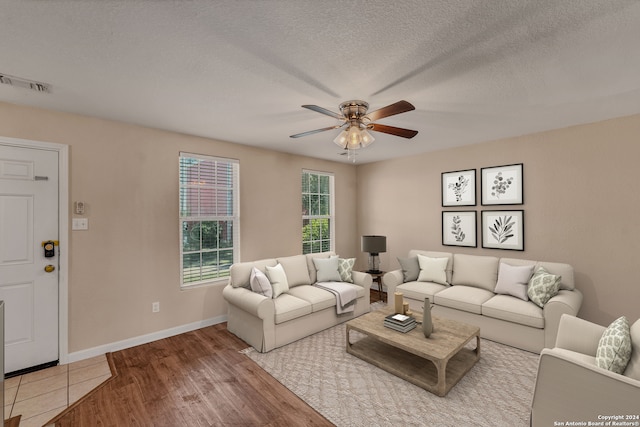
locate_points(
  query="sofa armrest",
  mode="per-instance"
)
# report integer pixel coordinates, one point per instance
(391, 280)
(362, 279)
(579, 335)
(571, 389)
(251, 302)
(566, 302)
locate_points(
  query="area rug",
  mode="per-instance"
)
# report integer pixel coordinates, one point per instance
(350, 392)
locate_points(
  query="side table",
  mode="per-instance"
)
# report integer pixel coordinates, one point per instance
(377, 277)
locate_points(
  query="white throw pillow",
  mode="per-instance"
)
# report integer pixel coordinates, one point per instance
(260, 283)
(513, 280)
(278, 280)
(433, 269)
(327, 269)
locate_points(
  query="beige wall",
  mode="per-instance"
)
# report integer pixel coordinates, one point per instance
(581, 207)
(581, 196)
(129, 257)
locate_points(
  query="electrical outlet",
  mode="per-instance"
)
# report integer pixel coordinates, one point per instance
(155, 307)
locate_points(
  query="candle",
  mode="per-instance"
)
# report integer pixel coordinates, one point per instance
(398, 302)
(405, 308)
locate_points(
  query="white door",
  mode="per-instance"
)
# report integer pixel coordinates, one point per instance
(28, 279)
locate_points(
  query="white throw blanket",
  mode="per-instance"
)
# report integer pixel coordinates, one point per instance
(345, 295)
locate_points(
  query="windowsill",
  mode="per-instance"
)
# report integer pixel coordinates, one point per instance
(216, 282)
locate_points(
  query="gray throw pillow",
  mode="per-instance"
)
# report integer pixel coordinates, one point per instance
(410, 268)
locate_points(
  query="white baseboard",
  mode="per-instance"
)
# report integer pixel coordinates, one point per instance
(142, 339)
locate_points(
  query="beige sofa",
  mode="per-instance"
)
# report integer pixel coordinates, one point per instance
(571, 387)
(267, 323)
(469, 296)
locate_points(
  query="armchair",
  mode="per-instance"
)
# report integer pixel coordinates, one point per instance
(571, 387)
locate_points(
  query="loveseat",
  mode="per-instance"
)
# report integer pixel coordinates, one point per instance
(297, 309)
(571, 385)
(489, 292)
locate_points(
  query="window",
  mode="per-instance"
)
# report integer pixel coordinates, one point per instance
(317, 212)
(209, 218)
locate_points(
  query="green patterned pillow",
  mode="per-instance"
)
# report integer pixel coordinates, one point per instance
(345, 267)
(543, 286)
(614, 348)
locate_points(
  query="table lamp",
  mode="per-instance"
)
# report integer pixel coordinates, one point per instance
(374, 245)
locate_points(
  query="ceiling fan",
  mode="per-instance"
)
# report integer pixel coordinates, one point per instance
(354, 115)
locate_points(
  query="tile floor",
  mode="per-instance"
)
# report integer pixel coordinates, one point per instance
(39, 396)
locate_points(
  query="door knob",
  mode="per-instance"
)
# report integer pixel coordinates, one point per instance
(49, 268)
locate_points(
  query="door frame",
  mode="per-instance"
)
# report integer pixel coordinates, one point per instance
(63, 235)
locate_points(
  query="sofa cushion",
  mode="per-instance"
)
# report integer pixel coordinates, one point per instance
(420, 290)
(311, 266)
(432, 269)
(260, 283)
(327, 269)
(436, 254)
(240, 273)
(410, 268)
(513, 280)
(633, 367)
(278, 279)
(318, 298)
(465, 298)
(543, 286)
(614, 348)
(288, 307)
(515, 310)
(476, 271)
(296, 269)
(345, 268)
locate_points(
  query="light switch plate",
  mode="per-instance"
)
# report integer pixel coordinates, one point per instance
(80, 224)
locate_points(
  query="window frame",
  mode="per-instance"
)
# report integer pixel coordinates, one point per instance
(234, 218)
(330, 216)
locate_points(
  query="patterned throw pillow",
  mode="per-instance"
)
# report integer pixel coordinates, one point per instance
(260, 283)
(614, 348)
(345, 267)
(543, 286)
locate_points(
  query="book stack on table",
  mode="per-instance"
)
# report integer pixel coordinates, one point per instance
(400, 322)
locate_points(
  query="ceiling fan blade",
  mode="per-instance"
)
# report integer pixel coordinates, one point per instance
(392, 130)
(390, 110)
(311, 132)
(324, 111)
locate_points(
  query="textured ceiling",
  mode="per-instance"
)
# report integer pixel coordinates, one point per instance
(239, 70)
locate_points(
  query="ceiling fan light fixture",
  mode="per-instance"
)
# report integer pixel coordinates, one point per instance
(354, 138)
(367, 138)
(341, 139)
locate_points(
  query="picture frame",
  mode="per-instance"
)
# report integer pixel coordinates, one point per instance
(502, 185)
(503, 230)
(459, 228)
(459, 188)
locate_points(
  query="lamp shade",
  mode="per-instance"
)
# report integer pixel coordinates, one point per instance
(374, 244)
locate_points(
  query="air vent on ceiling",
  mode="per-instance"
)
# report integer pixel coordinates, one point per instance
(24, 83)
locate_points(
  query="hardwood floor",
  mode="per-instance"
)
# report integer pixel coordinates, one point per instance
(194, 379)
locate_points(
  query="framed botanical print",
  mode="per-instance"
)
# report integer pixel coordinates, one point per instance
(459, 228)
(503, 230)
(459, 188)
(502, 185)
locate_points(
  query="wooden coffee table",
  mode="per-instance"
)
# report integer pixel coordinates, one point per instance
(404, 354)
